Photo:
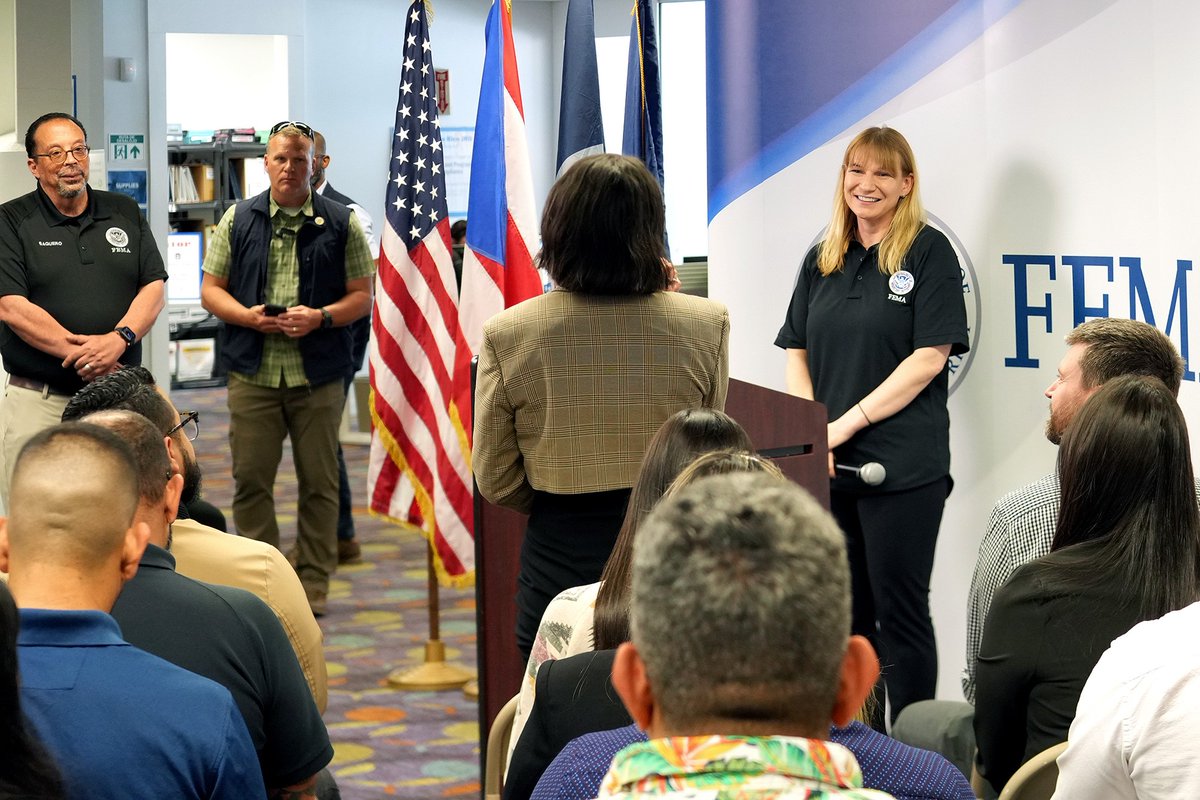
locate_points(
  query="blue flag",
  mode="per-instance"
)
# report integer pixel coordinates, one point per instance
(643, 92)
(580, 128)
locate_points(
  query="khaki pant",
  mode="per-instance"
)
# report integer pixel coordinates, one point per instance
(24, 414)
(259, 419)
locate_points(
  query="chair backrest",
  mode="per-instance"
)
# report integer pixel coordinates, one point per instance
(497, 750)
(1036, 778)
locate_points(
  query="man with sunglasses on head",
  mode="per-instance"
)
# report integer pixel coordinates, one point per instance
(288, 271)
(81, 282)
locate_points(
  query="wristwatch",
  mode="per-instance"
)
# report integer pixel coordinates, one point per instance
(128, 335)
(326, 318)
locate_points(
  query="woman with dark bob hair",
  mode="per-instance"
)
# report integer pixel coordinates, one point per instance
(1126, 549)
(573, 384)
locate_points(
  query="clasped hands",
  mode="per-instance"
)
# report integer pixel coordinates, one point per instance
(94, 354)
(295, 322)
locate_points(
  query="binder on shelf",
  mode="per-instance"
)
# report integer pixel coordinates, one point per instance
(183, 185)
(235, 183)
(254, 176)
(204, 180)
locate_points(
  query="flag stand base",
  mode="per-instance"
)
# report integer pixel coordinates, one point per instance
(471, 690)
(434, 675)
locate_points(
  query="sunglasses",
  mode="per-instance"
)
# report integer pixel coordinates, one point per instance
(300, 126)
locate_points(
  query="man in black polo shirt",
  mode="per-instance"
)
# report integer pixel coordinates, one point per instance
(227, 635)
(81, 282)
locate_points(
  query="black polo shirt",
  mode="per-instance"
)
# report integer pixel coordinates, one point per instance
(231, 637)
(83, 271)
(857, 325)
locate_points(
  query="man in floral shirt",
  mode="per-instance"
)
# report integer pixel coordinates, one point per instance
(741, 654)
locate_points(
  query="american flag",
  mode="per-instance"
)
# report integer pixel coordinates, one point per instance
(498, 266)
(420, 470)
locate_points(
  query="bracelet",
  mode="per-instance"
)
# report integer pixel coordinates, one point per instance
(864, 413)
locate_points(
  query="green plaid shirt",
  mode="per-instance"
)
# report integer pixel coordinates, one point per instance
(282, 364)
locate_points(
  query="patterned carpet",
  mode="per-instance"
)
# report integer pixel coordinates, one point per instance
(387, 743)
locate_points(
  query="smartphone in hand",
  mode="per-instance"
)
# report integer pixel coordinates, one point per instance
(273, 310)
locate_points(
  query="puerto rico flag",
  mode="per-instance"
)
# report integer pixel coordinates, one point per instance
(498, 269)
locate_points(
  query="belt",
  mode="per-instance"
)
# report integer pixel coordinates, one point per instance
(36, 386)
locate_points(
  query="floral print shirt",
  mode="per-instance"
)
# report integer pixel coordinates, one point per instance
(736, 768)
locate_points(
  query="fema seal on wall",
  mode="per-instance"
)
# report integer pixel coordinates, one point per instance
(117, 237)
(959, 365)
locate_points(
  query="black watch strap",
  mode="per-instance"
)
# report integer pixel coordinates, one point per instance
(128, 335)
(326, 318)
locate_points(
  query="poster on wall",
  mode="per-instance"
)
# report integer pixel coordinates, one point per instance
(130, 182)
(127, 172)
(457, 144)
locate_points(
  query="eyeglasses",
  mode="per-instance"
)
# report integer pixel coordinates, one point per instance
(58, 156)
(300, 126)
(189, 423)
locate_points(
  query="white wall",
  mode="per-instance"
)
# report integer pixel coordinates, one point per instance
(198, 61)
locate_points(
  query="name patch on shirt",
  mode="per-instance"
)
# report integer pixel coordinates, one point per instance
(49, 244)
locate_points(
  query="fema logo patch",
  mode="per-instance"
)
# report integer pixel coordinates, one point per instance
(117, 237)
(901, 283)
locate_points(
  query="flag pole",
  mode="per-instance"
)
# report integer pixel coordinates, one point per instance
(420, 470)
(435, 674)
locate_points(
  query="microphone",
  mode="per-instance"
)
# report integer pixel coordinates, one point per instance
(872, 473)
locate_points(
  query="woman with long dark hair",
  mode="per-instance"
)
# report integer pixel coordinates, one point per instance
(595, 616)
(1126, 549)
(876, 312)
(26, 770)
(572, 385)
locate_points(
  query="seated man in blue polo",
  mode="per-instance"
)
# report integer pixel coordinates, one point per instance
(288, 271)
(220, 632)
(119, 722)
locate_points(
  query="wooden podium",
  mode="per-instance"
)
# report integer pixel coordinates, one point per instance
(787, 429)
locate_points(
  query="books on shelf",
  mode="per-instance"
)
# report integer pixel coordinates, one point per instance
(192, 183)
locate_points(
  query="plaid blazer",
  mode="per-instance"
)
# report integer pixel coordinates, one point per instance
(571, 387)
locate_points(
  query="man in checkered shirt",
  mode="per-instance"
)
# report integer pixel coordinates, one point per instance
(1022, 523)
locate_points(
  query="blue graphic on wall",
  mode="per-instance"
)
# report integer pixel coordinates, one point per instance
(786, 76)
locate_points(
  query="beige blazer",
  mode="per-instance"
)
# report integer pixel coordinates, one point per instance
(571, 387)
(206, 554)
